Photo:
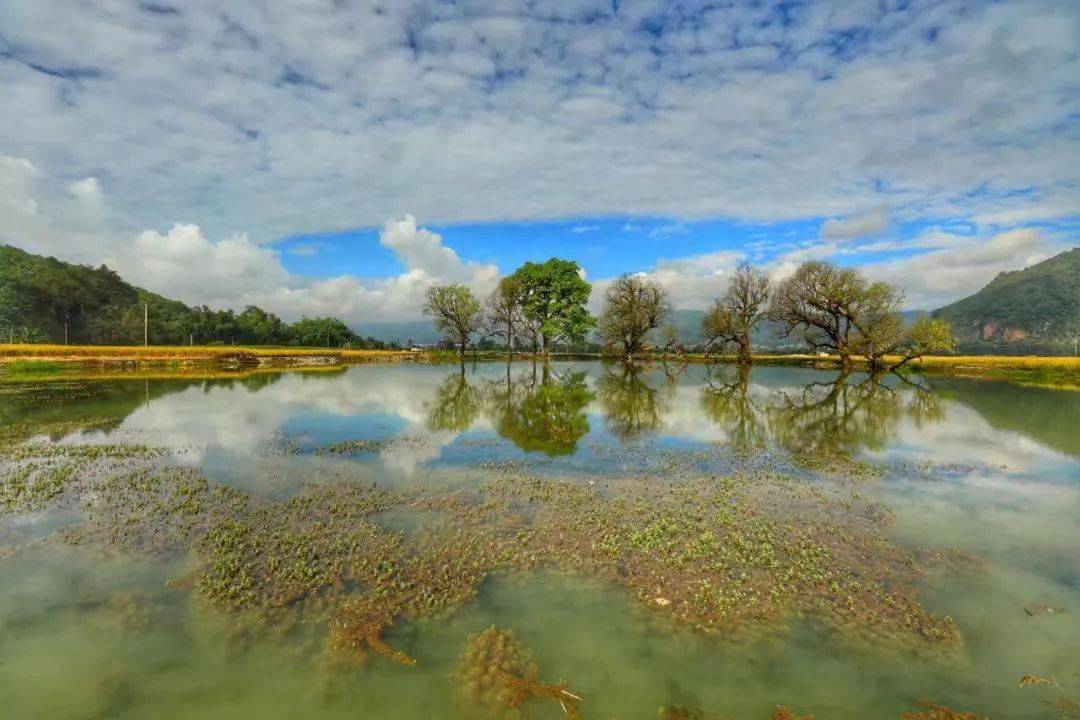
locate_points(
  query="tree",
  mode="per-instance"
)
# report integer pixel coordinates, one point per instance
(733, 316)
(457, 312)
(319, 332)
(835, 309)
(924, 337)
(553, 301)
(632, 307)
(503, 311)
(10, 309)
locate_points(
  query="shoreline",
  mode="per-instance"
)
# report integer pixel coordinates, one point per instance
(42, 360)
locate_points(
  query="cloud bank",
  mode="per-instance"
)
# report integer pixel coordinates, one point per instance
(184, 264)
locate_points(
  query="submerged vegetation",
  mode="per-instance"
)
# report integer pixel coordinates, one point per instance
(737, 543)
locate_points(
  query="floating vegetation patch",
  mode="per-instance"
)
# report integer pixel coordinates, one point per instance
(497, 677)
(737, 554)
(364, 446)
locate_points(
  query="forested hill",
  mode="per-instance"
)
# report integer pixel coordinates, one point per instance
(40, 295)
(1036, 307)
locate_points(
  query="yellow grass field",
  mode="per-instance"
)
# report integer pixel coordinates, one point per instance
(181, 353)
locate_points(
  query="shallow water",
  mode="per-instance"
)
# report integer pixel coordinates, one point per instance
(987, 468)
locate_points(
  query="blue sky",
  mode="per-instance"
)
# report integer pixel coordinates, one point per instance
(340, 158)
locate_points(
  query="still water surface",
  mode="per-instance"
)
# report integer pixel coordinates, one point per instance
(985, 468)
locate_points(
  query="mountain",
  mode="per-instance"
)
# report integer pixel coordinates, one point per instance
(1036, 309)
(43, 299)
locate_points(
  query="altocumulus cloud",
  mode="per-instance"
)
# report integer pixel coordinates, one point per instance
(266, 118)
(236, 125)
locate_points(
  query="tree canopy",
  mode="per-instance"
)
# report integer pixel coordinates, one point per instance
(457, 313)
(633, 306)
(553, 297)
(735, 314)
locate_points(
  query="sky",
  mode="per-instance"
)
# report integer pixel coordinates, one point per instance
(335, 157)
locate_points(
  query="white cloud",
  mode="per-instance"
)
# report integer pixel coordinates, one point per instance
(185, 264)
(507, 109)
(963, 265)
(692, 282)
(855, 226)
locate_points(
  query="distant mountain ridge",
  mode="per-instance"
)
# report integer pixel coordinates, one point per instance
(1037, 305)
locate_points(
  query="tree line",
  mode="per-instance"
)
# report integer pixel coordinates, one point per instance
(828, 308)
(47, 300)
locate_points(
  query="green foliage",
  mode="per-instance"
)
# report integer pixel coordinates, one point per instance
(38, 295)
(553, 299)
(321, 332)
(1037, 304)
(457, 313)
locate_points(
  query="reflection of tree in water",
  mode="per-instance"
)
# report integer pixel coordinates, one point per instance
(546, 415)
(726, 399)
(848, 414)
(456, 404)
(631, 406)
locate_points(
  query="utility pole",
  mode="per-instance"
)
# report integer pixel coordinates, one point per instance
(146, 324)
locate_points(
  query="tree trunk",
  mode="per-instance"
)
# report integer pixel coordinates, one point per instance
(744, 349)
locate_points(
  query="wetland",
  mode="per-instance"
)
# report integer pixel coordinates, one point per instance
(522, 540)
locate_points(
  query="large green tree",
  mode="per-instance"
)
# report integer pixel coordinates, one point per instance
(554, 295)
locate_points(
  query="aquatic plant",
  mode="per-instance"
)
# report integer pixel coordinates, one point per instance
(783, 713)
(356, 630)
(497, 676)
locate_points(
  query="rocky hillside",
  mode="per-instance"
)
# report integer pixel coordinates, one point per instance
(1036, 306)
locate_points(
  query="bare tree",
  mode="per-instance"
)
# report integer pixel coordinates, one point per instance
(733, 317)
(457, 313)
(503, 312)
(632, 307)
(825, 303)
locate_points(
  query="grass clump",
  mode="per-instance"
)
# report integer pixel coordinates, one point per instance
(34, 367)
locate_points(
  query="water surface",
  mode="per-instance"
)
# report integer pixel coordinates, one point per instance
(985, 474)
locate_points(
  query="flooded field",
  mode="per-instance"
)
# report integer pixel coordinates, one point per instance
(520, 541)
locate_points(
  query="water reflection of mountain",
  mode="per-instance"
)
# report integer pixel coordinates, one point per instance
(1050, 417)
